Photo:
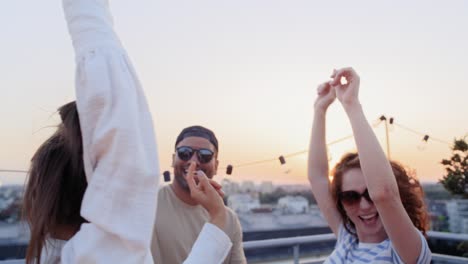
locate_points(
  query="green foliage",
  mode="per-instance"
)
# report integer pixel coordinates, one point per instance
(456, 167)
(463, 247)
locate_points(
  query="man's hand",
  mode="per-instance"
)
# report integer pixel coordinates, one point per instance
(208, 193)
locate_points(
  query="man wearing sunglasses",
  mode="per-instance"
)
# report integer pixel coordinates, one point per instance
(179, 218)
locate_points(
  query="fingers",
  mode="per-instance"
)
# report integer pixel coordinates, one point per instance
(348, 73)
(191, 177)
(217, 187)
(215, 184)
(323, 88)
(201, 177)
(205, 183)
(220, 192)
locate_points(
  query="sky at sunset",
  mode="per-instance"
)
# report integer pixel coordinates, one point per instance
(248, 70)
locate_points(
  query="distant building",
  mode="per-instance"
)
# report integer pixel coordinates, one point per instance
(266, 187)
(437, 210)
(10, 202)
(243, 203)
(230, 187)
(247, 187)
(457, 211)
(293, 204)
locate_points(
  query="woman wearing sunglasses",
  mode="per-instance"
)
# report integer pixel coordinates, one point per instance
(375, 209)
(92, 188)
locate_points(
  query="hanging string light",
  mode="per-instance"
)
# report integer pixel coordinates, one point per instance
(390, 123)
(282, 160)
(229, 170)
(423, 144)
(284, 165)
(167, 176)
(391, 127)
(422, 134)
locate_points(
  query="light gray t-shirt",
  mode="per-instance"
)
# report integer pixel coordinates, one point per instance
(349, 250)
(178, 225)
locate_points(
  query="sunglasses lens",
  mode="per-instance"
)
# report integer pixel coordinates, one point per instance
(205, 155)
(184, 153)
(349, 197)
(367, 196)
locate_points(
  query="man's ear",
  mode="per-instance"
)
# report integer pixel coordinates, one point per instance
(173, 160)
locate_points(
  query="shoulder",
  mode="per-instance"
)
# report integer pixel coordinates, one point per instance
(164, 191)
(164, 198)
(232, 216)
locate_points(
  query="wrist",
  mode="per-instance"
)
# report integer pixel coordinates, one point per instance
(218, 218)
(352, 107)
(320, 110)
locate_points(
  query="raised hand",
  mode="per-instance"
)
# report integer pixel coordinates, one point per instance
(208, 194)
(325, 96)
(347, 93)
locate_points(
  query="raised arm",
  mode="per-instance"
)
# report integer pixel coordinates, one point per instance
(119, 148)
(318, 159)
(378, 174)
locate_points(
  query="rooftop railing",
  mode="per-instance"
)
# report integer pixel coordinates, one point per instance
(296, 242)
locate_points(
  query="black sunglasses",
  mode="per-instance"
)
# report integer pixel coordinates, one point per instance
(353, 197)
(185, 153)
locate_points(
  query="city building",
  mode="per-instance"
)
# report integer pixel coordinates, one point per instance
(247, 187)
(266, 187)
(293, 204)
(243, 203)
(230, 187)
(457, 211)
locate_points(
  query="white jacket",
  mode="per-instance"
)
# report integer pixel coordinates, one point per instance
(119, 151)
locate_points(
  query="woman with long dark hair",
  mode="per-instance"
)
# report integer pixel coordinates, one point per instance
(374, 207)
(92, 186)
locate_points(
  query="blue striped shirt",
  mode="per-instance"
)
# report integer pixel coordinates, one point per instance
(348, 250)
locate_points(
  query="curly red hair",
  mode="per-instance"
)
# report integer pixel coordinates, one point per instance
(411, 192)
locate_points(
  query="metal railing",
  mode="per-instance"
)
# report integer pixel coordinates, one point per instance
(295, 243)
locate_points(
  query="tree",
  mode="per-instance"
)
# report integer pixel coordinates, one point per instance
(456, 178)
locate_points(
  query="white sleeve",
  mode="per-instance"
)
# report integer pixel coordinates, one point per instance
(119, 148)
(211, 247)
(426, 255)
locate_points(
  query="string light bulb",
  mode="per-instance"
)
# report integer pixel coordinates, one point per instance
(229, 169)
(423, 144)
(283, 164)
(167, 176)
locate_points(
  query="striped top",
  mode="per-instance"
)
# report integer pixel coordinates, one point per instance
(349, 250)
